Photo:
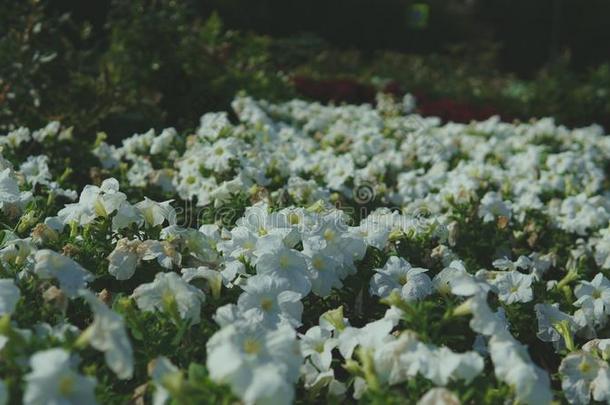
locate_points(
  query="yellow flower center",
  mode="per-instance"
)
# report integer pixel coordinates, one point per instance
(266, 304)
(444, 288)
(66, 385)
(317, 263)
(251, 346)
(100, 210)
(329, 235)
(148, 216)
(293, 218)
(168, 298)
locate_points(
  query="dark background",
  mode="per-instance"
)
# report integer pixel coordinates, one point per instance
(124, 66)
(531, 33)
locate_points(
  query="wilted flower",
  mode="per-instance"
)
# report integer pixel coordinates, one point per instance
(124, 258)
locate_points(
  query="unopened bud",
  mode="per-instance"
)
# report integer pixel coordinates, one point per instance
(335, 318)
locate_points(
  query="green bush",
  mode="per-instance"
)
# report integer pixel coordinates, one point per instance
(155, 64)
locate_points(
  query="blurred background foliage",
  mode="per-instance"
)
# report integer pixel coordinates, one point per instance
(125, 66)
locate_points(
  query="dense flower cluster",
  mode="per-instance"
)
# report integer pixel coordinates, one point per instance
(309, 252)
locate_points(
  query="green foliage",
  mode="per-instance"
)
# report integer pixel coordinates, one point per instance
(155, 64)
(160, 63)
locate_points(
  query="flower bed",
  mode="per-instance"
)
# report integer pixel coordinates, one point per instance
(307, 253)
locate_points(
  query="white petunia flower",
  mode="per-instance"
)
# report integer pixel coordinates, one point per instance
(467, 285)
(36, 170)
(271, 300)
(523, 262)
(583, 374)
(125, 216)
(445, 279)
(164, 252)
(16, 137)
(513, 365)
(155, 213)
(550, 319)
(260, 365)
(53, 380)
(140, 172)
(580, 213)
(71, 276)
(9, 296)
(107, 154)
(94, 202)
(220, 155)
(323, 273)
(439, 396)
(595, 295)
(169, 292)
(108, 334)
(214, 278)
(242, 243)
(305, 191)
(602, 249)
(275, 259)
(398, 275)
(200, 244)
(370, 336)
(514, 287)
(484, 320)
(331, 236)
(212, 124)
(317, 344)
(315, 380)
(124, 258)
(493, 207)
(12, 201)
(451, 366)
(389, 359)
(50, 130)
(599, 346)
(160, 369)
(162, 142)
(441, 365)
